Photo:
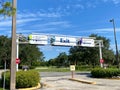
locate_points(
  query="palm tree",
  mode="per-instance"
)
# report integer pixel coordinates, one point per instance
(6, 9)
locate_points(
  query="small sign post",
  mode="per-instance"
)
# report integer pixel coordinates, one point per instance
(72, 69)
(17, 62)
(101, 62)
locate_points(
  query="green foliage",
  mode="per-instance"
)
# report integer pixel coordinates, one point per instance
(7, 79)
(53, 69)
(83, 68)
(24, 79)
(105, 73)
(7, 9)
(90, 55)
(60, 61)
(29, 54)
(5, 51)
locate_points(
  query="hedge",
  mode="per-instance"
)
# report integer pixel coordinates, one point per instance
(83, 68)
(105, 73)
(24, 79)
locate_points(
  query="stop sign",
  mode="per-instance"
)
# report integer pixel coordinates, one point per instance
(101, 61)
(17, 60)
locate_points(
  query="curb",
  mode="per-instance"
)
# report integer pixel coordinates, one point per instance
(32, 88)
(82, 81)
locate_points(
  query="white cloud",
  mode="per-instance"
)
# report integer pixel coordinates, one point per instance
(116, 1)
(113, 1)
(101, 30)
(80, 6)
(21, 21)
(107, 30)
(38, 14)
(5, 23)
(56, 23)
(8, 23)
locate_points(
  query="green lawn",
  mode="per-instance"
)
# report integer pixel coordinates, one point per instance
(52, 69)
(62, 69)
(1, 88)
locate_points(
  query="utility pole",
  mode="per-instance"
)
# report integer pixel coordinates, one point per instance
(117, 54)
(13, 52)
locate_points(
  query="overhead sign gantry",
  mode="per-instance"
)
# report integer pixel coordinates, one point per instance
(61, 40)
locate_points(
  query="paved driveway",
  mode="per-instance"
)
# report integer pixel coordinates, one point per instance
(59, 81)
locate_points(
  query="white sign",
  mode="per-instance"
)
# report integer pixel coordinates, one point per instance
(86, 42)
(60, 40)
(64, 41)
(38, 39)
(72, 67)
(38, 42)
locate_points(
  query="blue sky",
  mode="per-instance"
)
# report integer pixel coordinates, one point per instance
(66, 17)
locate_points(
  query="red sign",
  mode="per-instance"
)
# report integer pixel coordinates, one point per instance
(17, 60)
(101, 61)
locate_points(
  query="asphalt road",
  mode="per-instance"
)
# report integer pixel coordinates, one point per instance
(60, 81)
(58, 74)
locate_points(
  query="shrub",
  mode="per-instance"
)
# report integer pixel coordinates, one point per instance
(32, 67)
(105, 73)
(83, 68)
(24, 79)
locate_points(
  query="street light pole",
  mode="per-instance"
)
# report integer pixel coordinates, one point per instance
(13, 52)
(117, 54)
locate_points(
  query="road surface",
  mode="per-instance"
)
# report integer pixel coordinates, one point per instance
(60, 81)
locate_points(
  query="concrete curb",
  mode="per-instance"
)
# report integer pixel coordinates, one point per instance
(32, 88)
(82, 81)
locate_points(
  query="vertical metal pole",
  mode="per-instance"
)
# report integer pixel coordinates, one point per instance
(100, 49)
(117, 54)
(72, 74)
(13, 52)
(4, 75)
(17, 51)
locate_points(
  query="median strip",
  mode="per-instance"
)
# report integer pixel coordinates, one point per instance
(82, 81)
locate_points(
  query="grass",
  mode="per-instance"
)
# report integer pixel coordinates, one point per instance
(3, 89)
(62, 69)
(52, 69)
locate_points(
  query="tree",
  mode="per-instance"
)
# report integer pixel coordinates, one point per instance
(62, 59)
(6, 9)
(5, 48)
(90, 55)
(29, 54)
(59, 61)
(51, 62)
(108, 54)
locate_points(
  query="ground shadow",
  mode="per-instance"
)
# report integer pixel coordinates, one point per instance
(87, 74)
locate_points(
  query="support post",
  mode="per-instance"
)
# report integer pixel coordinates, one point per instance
(72, 72)
(17, 65)
(4, 75)
(100, 50)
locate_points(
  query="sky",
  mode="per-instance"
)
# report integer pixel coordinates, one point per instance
(65, 17)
